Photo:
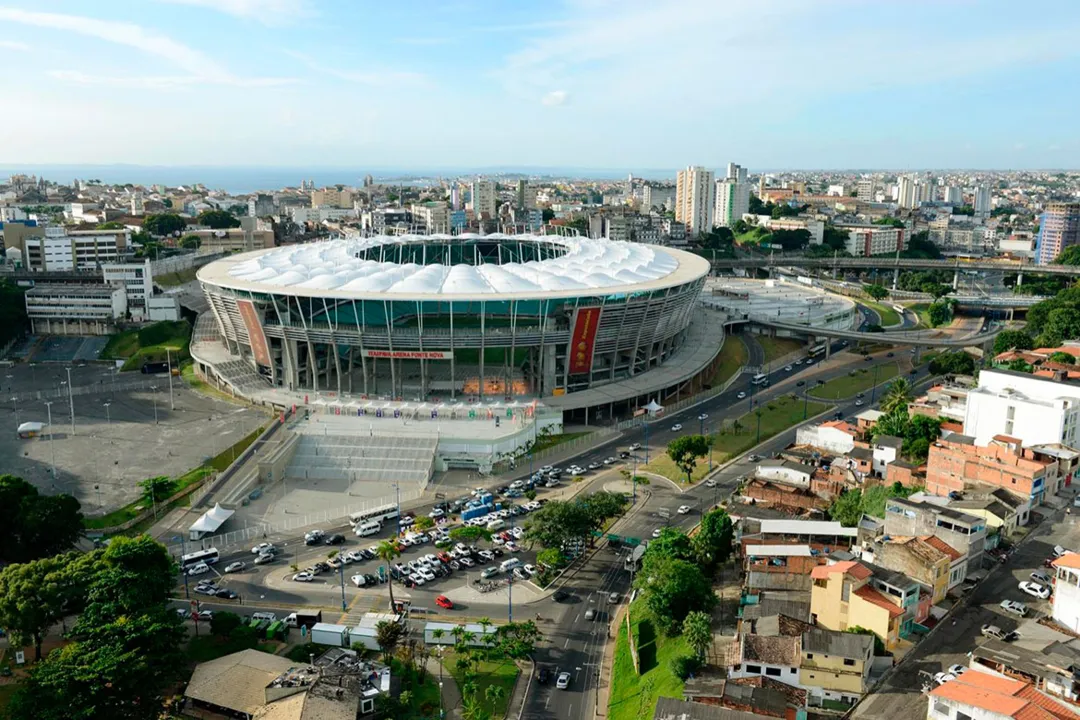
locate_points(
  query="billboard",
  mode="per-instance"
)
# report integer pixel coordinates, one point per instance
(254, 331)
(586, 321)
(410, 354)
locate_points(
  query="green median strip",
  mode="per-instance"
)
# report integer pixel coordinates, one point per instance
(860, 380)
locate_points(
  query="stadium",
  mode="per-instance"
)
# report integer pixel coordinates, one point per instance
(435, 317)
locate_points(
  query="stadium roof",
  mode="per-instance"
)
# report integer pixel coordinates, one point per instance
(333, 268)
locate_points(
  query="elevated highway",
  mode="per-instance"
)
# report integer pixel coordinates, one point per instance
(889, 263)
(914, 338)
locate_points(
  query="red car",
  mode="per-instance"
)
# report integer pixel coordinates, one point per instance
(444, 556)
(444, 602)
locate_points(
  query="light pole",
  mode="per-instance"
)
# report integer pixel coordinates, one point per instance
(873, 390)
(108, 416)
(646, 423)
(153, 388)
(168, 362)
(11, 384)
(100, 507)
(710, 446)
(71, 401)
(15, 399)
(52, 447)
(183, 571)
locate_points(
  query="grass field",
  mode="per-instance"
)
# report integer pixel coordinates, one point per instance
(732, 357)
(425, 694)
(920, 309)
(216, 464)
(861, 381)
(502, 672)
(888, 315)
(776, 416)
(187, 372)
(776, 347)
(206, 647)
(543, 442)
(633, 696)
(153, 343)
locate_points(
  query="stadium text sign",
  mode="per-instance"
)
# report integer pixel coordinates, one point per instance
(410, 354)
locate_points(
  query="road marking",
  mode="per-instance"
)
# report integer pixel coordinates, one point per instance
(567, 644)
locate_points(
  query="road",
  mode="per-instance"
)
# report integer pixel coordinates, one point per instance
(901, 696)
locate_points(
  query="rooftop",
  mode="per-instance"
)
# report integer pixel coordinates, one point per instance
(1003, 696)
(852, 568)
(668, 708)
(836, 643)
(936, 542)
(874, 596)
(237, 681)
(1069, 560)
(806, 527)
(889, 441)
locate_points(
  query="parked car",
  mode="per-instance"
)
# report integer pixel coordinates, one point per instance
(1040, 577)
(634, 447)
(489, 572)
(304, 576)
(1014, 607)
(943, 677)
(656, 532)
(957, 670)
(1035, 589)
(1059, 551)
(613, 598)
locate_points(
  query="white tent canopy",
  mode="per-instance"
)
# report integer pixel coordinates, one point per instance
(654, 407)
(210, 521)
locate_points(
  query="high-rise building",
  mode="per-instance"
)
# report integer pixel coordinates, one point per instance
(736, 172)
(455, 197)
(137, 205)
(1059, 228)
(907, 196)
(732, 201)
(524, 196)
(982, 201)
(694, 199)
(332, 197)
(261, 205)
(483, 197)
(864, 191)
(952, 195)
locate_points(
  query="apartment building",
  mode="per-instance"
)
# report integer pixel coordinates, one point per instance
(1059, 228)
(74, 309)
(1066, 598)
(963, 532)
(55, 248)
(433, 217)
(956, 464)
(732, 197)
(253, 234)
(261, 205)
(483, 198)
(655, 196)
(815, 227)
(695, 199)
(835, 666)
(868, 241)
(978, 695)
(332, 197)
(1036, 410)
(137, 280)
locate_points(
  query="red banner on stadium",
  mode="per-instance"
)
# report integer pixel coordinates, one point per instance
(255, 332)
(586, 321)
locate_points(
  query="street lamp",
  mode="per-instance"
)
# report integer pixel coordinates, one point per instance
(52, 446)
(108, 416)
(154, 393)
(71, 401)
(183, 570)
(15, 399)
(873, 390)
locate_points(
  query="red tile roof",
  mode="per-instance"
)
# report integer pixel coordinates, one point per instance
(848, 567)
(943, 546)
(1069, 560)
(875, 597)
(1003, 696)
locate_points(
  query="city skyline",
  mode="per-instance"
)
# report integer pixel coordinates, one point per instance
(589, 85)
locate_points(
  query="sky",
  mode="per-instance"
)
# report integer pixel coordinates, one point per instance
(630, 84)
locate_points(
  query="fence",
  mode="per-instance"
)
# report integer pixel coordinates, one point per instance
(102, 388)
(322, 518)
(182, 262)
(683, 404)
(630, 642)
(586, 441)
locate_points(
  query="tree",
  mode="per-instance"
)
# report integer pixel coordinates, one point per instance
(1063, 358)
(940, 312)
(697, 629)
(424, 523)
(551, 557)
(163, 224)
(217, 219)
(717, 237)
(937, 290)
(1013, 340)
(469, 534)
(877, 292)
(835, 238)
(672, 589)
(897, 397)
(1069, 256)
(953, 363)
(548, 215)
(603, 505)
(110, 225)
(671, 543)
(517, 640)
(388, 552)
(920, 247)
(890, 221)
(190, 242)
(1019, 365)
(32, 599)
(558, 522)
(686, 450)
(388, 635)
(222, 624)
(494, 693)
(34, 525)
(714, 540)
(157, 489)
(790, 239)
(847, 509)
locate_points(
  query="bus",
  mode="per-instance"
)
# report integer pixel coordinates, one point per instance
(760, 379)
(817, 350)
(377, 514)
(208, 556)
(900, 309)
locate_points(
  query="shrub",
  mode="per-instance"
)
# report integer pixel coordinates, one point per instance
(683, 666)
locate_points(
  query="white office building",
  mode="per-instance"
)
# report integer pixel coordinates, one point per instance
(695, 199)
(74, 309)
(953, 195)
(870, 240)
(483, 198)
(982, 201)
(732, 202)
(78, 250)
(138, 283)
(1035, 410)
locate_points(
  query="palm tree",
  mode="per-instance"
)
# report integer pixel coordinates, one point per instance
(387, 552)
(494, 694)
(899, 395)
(736, 426)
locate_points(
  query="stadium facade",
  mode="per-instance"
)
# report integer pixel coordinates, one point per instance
(440, 316)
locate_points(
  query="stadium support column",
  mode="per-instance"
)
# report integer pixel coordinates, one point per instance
(955, 279)
(895, 277)
(313, 367)
(483, 345)
(453, 358)
(351, 351)
(1020, 278)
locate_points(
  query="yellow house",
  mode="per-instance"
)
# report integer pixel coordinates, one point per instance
(835, 666)
(842, 598)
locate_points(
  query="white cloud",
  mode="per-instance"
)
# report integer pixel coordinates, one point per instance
(12, 45)
(198, 66)
(555, 97)
(374, 77)
(270, 12)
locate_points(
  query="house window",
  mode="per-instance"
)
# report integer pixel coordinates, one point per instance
(772, 672)
(809, 656)
(793, 670)
(941, 709)
(845, 593)
(753, 669)
(962, 716)
(849, 662)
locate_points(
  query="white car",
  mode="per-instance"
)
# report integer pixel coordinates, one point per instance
(683, 509)
(595, 466)
(487, 555)
(511, 546)
(703, 416)
(957, 670)
(677, 427)
(741, 395)
(304, 576)
(198, 569)
(531, 569)
(263, 549)
(418, 578)
(656, 532)
(436, 513)
(943, 677)
(1014, 607)
(787, 369)
(358, 580)
(609, 461)
(858, 403)
(234, 567)
(1035, 589)
(635, 447)
(467, 562)
(1059, 551)
(563, 681)
(263, 559)
(710, 483)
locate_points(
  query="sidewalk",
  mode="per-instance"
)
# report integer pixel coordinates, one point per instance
(451, 695)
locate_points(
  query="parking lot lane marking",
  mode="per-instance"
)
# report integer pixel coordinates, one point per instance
(566, 644)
